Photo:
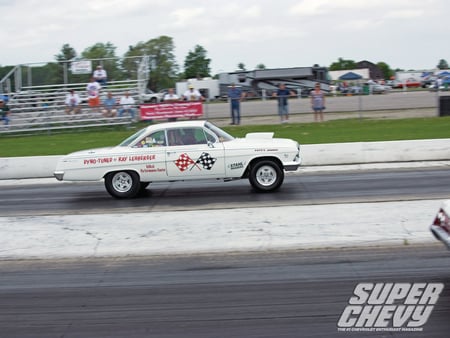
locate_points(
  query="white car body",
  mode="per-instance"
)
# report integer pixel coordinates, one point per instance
(153, 155)
(440, 227)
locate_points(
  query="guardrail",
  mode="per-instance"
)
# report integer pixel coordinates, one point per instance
(312, 155)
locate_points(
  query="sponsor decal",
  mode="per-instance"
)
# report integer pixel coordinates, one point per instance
(184, 162)
(381, 307)
(131, 158)
(237, 165)
(150, 168)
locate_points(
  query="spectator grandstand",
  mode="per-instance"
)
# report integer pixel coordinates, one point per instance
(42, 108)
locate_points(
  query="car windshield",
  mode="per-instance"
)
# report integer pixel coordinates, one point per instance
(133, 138)
(221, 134)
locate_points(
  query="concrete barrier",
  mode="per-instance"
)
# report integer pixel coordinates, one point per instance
(312, 155)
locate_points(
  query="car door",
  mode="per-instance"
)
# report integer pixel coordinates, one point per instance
(193, 152)
(148, 157)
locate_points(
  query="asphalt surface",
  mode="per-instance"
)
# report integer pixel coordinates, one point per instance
(300, 189)
(282, 294)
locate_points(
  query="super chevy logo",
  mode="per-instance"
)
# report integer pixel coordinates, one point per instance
(389, 306)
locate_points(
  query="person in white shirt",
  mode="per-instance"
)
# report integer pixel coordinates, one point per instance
(93, 91)
(72, 102)
(100, 75)
(192, 94)
(127, 102)
(171, 97)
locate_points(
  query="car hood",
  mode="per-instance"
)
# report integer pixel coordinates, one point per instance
(259, 136)
(261, 140)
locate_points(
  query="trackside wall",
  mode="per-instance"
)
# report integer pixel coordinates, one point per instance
(312, 155)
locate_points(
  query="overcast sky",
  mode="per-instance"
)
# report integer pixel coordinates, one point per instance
(407, 34)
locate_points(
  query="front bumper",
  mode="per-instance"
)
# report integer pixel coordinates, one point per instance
(441, 235)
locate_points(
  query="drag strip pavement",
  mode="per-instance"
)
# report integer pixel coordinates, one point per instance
(284, 294)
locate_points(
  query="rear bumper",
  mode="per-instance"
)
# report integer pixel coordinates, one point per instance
(59, 175)
(441, 235)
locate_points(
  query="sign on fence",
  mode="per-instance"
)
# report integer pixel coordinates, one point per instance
(81, 67)
(171, 110)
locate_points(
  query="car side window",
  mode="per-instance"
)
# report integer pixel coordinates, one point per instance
(193, 136)
(156, 139)
(174, 137)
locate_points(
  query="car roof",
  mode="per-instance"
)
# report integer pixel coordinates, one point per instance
(178, 124)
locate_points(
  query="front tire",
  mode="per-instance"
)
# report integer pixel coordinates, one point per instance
(266, 176)
(122, 184)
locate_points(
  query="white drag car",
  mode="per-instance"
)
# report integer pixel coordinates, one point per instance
(441, 224)
(178, 151)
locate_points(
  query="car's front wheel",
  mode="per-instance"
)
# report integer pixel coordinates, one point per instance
(266, 176)
(122, 184)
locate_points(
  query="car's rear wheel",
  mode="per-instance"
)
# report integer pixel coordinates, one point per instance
(122, 184)
(266, 176)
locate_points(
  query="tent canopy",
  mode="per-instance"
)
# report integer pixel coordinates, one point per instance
(350, 76)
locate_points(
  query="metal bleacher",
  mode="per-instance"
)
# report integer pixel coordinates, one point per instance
(35, 109)
(42, 108)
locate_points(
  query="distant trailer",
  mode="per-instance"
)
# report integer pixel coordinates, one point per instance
(255, 82)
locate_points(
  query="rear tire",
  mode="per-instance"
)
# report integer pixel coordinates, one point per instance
(122, 184)
(266, 176)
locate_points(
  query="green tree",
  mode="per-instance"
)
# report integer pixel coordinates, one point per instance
(241, 66)
(260, 66)
(67, 53)
(343, 64)
(386, 70)
(442, 64)
(196, 64)
(50, 73)
(104, 54)
(162, 66)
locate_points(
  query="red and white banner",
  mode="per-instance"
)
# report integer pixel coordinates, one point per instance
(171, 110)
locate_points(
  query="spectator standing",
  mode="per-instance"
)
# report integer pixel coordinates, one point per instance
(192, 95)
(93, 91)
(4, 112)
(109, 106)
(282, 94)
(72, 102)
(439, 82)
(169, 98)
(317, 102)
(127, 102)
(100, 75)
(235, 96)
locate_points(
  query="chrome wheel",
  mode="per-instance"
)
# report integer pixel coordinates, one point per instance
(122, 184)
(266, 175)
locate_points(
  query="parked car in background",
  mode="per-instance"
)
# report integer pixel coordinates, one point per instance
(151, 97)
(428, 81)
(179, 151)
(440, 227)
(410, 83)
(376, 88)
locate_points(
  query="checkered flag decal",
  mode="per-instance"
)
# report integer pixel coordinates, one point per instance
(183, 162)
(206, 161)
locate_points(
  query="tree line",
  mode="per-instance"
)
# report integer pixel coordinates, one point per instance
(164, 71)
